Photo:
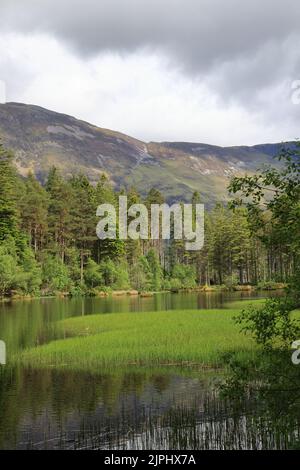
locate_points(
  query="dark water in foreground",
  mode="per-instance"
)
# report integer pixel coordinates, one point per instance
(134, 409)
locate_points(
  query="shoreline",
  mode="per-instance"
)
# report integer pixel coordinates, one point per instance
(145, 294)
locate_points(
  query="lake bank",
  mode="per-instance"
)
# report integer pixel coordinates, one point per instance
(265, 287)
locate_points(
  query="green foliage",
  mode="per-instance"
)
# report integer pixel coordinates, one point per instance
(72, 260)
(175, 284)
(104, 193)
(9, 184)
(273, 325)
(92, 274)
(272, 198)
(32, 273)
(8, 266)
(34, 212)
(140, 275)
(114, 275)
(277, 218)
(231, 281)
(56, 225)
(19, 271)
(59, 213)
(164, 337)
(55, 274)
(183, 276)
(269, 285)
(230, 243)
(155, 270)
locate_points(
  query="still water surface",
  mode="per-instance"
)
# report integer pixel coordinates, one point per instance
(134, 409)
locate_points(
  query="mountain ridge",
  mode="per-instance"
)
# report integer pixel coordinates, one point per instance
(42, 138)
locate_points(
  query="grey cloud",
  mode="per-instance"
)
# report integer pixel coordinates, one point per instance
(272, 65)
(237, 45)
(200, 32)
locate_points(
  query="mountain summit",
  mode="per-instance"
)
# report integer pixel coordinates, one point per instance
(41, 139)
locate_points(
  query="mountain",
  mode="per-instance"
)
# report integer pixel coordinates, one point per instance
(41, 139)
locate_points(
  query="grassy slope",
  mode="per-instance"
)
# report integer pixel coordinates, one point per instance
(187, 337)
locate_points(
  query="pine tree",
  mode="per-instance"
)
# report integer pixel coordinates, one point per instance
(9, 190)
(155, 269)
(34, 208)
(103, 249)
(133, 247)
(59, 213)
(83, 227)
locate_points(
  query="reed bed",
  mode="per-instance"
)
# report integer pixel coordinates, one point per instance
(173, 338)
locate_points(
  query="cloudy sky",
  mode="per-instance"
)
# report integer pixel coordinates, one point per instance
(211, 71)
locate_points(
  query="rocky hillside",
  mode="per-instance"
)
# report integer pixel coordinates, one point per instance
(41, 138)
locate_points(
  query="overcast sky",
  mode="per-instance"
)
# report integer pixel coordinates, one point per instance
(214, 71)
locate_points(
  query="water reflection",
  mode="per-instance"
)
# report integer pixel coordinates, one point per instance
(28, 323)
(134, 410)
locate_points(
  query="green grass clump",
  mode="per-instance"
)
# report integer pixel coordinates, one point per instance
(244, 303)
(185, 337)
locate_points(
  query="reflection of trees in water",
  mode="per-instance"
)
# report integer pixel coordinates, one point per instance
(65, 397)
(135, 410)
(270, 382)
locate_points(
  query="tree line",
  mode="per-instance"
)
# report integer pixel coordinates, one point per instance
(48, 242)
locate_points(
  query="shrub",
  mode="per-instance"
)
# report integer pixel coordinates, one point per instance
(114, 275)
(92, 274)
(55, 274)
(183, 276)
